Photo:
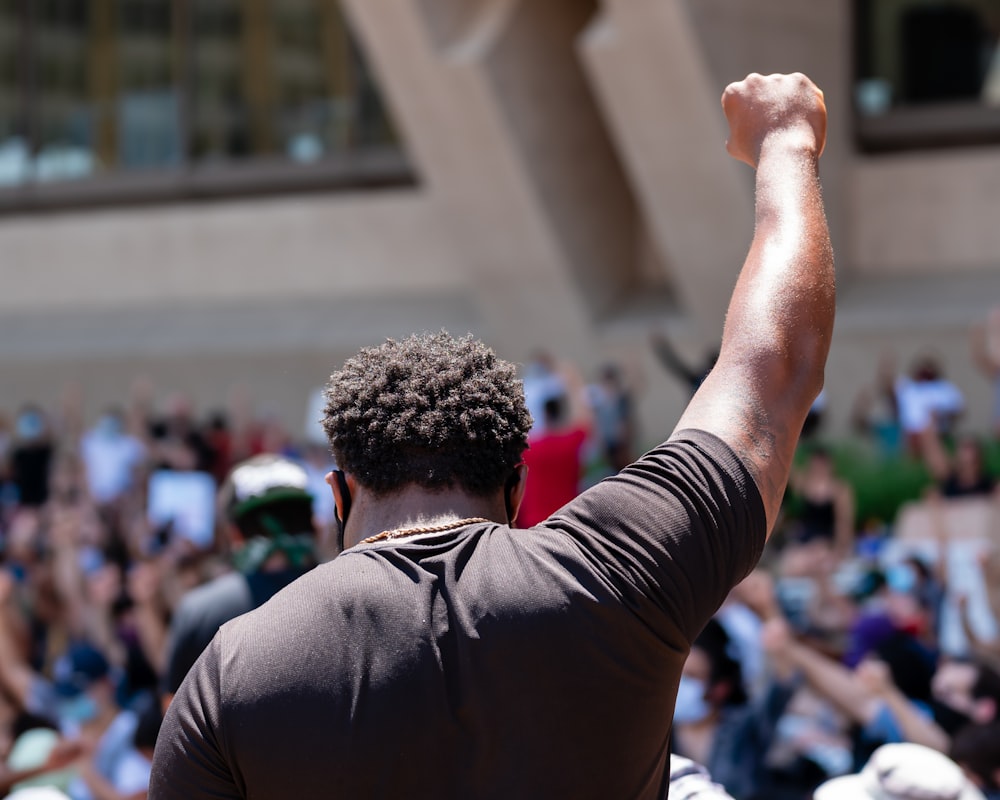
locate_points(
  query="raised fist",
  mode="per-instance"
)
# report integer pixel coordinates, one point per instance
(764, 106)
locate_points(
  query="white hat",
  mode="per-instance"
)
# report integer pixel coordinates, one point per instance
(691, 781)
(903, 772)
(38, 793)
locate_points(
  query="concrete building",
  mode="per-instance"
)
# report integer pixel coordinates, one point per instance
(547, 174)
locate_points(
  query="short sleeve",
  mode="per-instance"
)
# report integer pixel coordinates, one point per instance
(189, 761)
(679, 527)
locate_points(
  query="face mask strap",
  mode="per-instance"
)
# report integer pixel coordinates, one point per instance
(508, 490)
(345, 502)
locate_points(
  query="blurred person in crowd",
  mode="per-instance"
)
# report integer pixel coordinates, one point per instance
(960, 475)
(716, 724)
(986, 650)
(903, 772)
(177, 437)
(32, 751)
(111, 456)
(742, 616)
(88, 710)
(826, 516)
(613, 415)
(965, 693)
(875, 413)
(318, 463)
(888, 694)
(39, 757)
(802, 739)
(268, 512)
(129, 775)
(927, 581)
(926, 398)
(542, 382)
(985, 341)
(692, 377)
(68, 481)
(976, 748)
(691, 781)
(554, 457)
(31, 455)
(219, 439)
(472, 647)
(274, 437)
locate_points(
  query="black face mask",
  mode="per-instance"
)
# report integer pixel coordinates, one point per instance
(950, 720)
(345, 501)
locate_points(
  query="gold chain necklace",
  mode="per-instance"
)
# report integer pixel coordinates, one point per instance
(401, 532)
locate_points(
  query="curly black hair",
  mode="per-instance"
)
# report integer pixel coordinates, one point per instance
(430, 410)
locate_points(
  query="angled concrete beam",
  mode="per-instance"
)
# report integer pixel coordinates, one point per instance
(663, 109)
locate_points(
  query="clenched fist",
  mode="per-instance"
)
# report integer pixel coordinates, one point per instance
(762, 107)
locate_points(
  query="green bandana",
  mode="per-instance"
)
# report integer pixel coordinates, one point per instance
(299, 549)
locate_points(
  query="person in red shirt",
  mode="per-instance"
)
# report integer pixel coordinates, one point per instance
(555, 456)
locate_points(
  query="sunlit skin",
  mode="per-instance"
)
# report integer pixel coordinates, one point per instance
(952, 685)
(780, 321)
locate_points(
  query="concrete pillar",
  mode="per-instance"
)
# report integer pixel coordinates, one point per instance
(663, 107)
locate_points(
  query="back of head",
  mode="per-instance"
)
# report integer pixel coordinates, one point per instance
(987, 686)
(432, 411)
(726, 670)
(902, 772)
(554, 410)
(977, 749)
(910, 663)
(267, 499)
(267, 494)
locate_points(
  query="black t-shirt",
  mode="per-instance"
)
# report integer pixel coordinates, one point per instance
(479, 663)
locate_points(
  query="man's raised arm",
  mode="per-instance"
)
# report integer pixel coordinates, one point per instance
(780, 318)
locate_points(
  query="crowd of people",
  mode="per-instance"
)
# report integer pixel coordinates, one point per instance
(105, 528)
(444, 652)
(821, 656)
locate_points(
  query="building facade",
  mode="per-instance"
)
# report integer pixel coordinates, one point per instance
(245, 192)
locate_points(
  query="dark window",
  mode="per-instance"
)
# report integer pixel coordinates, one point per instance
(927, 73)
(118, 100)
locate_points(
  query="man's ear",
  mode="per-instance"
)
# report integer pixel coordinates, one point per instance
(514, 491)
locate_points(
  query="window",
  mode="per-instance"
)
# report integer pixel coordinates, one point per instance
(927, 73)
(114, 100)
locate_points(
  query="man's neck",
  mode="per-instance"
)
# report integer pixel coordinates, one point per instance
(415, 507)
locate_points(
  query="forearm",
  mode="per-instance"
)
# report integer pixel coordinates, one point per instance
(833, 681)
(780, 320)
(987, 651)
(16, 676)
(779, 325)
(103, 789)
(915, 727)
